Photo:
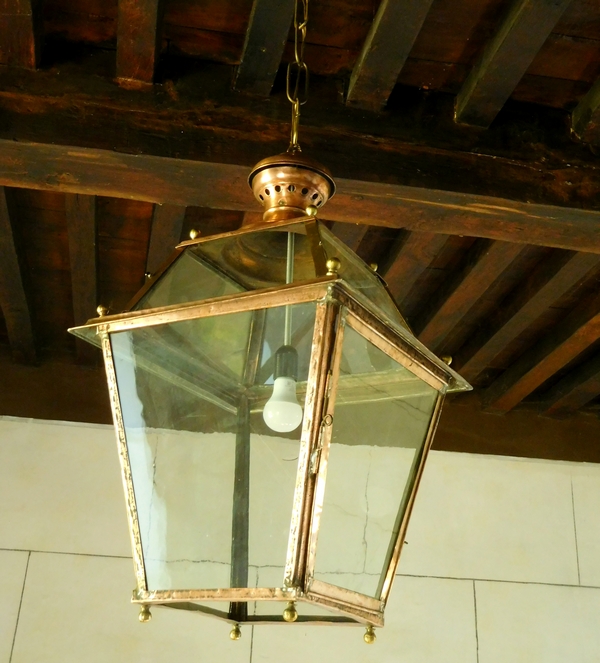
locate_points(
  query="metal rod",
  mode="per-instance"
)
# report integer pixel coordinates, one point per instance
(289, 277)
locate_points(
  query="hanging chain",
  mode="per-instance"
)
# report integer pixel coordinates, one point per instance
(296, 83)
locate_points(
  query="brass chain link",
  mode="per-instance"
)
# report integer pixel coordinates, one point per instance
(296, 83)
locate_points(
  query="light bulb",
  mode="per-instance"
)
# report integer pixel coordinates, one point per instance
(282, 412)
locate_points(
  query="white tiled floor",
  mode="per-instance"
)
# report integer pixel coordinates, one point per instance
(493, 518)
(76, 610)
(520, 623)
(479, 517)
(12, 574)
(60, 489)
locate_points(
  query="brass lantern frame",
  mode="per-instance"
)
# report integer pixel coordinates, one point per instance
(338, 305)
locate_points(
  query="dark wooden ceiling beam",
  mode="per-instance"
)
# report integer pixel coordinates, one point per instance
(352, 234)
(546, 284)
(21, 33)
(505, 59)
(139, 36)
(81, 225)
(574, 391)
(585, 119)
(14, 295)
(482, 266)
(408, 259)
(165, 234)
(265, 41)
(386, 49)
(224, 186)
(579, 330)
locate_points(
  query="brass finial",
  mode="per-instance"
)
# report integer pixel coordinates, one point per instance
(333, 265)
(311, 210)
(447, 359)
(374, 266)
(194, 234)
(145, 615)
(369, 637)
(236, 632)
(290, 614)
(102, 311)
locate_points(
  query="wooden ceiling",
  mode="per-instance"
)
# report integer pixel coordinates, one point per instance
(464, 136)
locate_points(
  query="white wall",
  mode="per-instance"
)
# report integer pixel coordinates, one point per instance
(502, 565)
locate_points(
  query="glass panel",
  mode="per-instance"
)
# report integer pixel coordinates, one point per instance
(214, 484)
(258, 259)
(382, 415)
(362, 278)
(188, 279)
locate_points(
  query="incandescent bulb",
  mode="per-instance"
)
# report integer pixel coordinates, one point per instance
(282, 412)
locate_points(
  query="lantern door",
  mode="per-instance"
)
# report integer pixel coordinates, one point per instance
(375, 437)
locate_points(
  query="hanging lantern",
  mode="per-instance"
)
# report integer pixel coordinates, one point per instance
(273, 413)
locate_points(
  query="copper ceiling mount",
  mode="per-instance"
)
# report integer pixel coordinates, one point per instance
(289, 183)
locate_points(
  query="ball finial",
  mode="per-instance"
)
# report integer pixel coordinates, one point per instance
(369, 637)
(145, 615)
(290, 614)
(447, 359)
(194, 234)
(333, 265)
(236, 632)
(311, 210)
(102, 311)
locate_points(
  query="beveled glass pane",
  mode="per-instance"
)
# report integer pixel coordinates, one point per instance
(362, 278)
(188, 279)
(381, 418)
(213, 483)
(258, 259)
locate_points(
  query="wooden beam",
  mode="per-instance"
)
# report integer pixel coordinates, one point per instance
(139, 35)
(14, 299)
(586, 116)
(266, 37)
(574, 391)
(224, 186)
(81, 225)
(352, 234)
(506, 59)
(562, 344)
(483, 265)
(20, 33)
(390, 40)
(547, 283)
(167, 226)
(411, 256)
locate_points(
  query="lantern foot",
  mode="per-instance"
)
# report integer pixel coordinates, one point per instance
(369, 637)
(145, 614)
(290, 614)
(236, 632)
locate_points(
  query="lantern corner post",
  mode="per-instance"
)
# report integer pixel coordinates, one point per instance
(126, 475)
(327, 320)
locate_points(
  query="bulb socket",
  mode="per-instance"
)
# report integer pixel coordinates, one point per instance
(286, 362)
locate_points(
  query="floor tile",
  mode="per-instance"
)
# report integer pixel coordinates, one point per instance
(76, 609)
(12, 575)
(493, 518)
(60, 489)
(427, 619)
(586, 504)
(522, 623)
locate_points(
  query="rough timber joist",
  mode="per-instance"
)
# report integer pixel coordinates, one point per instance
(191, 143)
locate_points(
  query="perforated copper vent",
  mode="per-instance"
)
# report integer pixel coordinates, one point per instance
(286, 184)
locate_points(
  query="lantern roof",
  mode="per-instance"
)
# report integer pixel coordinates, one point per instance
(255, 258)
